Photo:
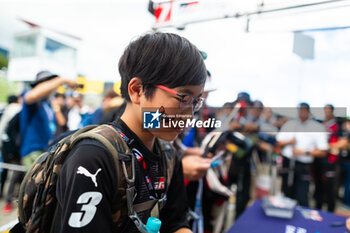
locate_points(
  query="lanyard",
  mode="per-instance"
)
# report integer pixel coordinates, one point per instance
(160, 183)
(198, 224)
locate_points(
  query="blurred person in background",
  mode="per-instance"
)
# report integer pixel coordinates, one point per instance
(37, 118)
(224, 112)
(12, 108)
(114, 114)
(75, 103)
(194, 166)
(243, 99)
(345, 160)
(37, 123)
(261, 131)
(268, 115)
(302, 140)
(275, 120)
(267, 135)
(115, 108)
(240, 167)
(60, 108)
(98, 114)
(106, 113)
(268, 121)
(325, 167)
(253, 118)
(78, 113)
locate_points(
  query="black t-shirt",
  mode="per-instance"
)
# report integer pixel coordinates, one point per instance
(87, 184)
(62, 128)
(346, 153)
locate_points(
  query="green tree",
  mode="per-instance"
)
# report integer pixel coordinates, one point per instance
(3, 61)
(6, 88)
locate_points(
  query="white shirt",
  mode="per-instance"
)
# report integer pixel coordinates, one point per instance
(74, 118)
(309, 135)
(10, 111)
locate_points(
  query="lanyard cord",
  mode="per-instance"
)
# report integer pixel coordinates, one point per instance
(144, 168)
(198, 225)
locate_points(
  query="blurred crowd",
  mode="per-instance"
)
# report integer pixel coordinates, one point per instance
(303, 158)
(310, 156)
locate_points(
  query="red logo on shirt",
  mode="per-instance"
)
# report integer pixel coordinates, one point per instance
(160, 184)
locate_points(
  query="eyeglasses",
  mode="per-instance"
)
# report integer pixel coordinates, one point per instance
(186, 101)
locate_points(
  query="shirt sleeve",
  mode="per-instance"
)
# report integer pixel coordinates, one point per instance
(286, 133)
(174, 213)
(322, 141)
(85, 190)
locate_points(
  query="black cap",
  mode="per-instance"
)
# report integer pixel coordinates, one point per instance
(258, 104)
(43, 76)
(245, 97)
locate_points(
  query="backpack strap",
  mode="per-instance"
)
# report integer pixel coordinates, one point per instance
(169, 153)
(80, 131)
(148, 205)
(106, 135)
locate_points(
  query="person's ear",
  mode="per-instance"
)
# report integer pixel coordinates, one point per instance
(135, 90)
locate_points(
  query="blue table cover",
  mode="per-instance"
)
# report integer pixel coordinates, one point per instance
(254, 220)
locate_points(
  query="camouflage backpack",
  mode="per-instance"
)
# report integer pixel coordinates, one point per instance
(37, 202)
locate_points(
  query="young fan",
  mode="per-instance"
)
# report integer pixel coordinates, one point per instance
(158, 71)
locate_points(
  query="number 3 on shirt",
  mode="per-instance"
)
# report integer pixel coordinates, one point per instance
(90, 201)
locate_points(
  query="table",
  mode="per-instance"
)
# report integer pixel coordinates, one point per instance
(254, 220)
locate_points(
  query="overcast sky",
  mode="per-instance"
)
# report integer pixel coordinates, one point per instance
(260, 62)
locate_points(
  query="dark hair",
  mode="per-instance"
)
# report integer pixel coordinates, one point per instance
(57, 95)
(258, 104)
(12, 99)
(161, 59)
(243, 96)
(331, 106)
(304, 105)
